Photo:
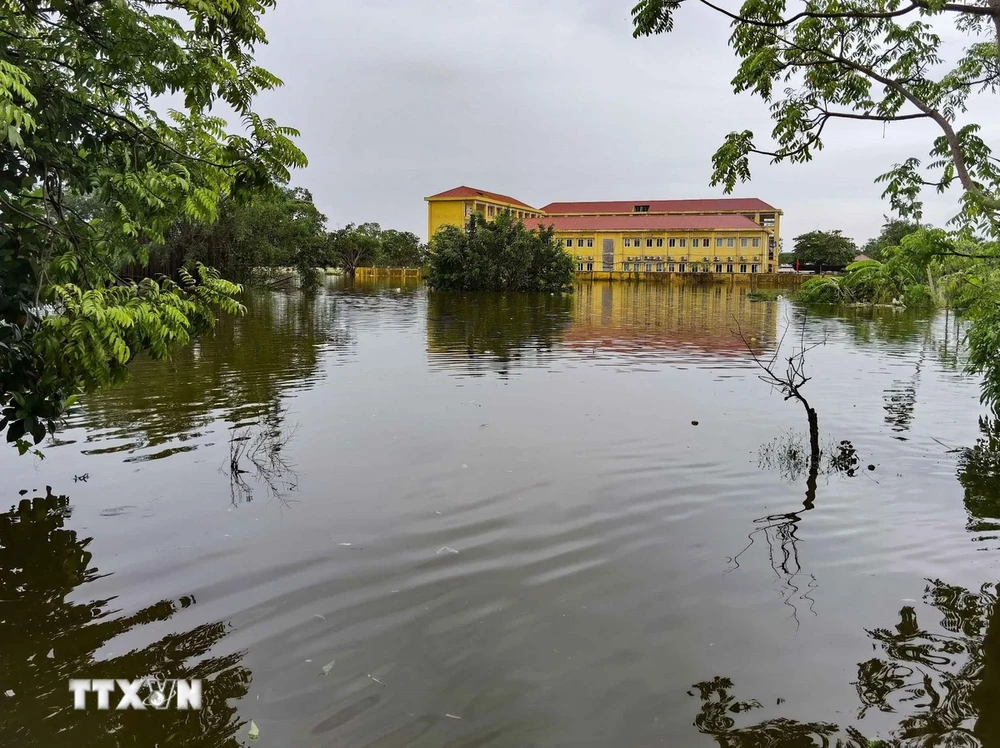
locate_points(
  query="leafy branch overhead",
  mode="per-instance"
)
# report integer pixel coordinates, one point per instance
(882, 61)
(82, 122)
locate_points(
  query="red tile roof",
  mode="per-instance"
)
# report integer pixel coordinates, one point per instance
(471, 192)
(746, 204)
(644, 222)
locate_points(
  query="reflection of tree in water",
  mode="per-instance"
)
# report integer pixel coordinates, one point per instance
(241, 370)
(979, 474)
(490, 331)
(901, 399)
(789, 455)
(46, 639)
(257, 460)
(718, 704)
(875, 324)
(945, 683)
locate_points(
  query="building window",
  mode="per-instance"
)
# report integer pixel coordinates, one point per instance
(641, 209)
(672, 242)
(625, 266)
(743, 268)
(590, 266)
(649, 267)
(684, 242)
(744, 242)
(670, 267)
(579, 266)
(682, 267)
(659, 267)
(718, 242)
(730, 242)
(579, 242)
(729, 268)
(628, 242)
(756, 242)
(590, 242)
(754, 268)
(649, 243)
(659, 242)
(569, 242)
(718, 268)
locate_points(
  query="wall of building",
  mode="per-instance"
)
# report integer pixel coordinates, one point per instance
(779, 281)
(444, 213)
(661, 251)
(456, 212)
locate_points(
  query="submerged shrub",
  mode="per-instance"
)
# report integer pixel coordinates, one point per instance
(918, 296)
(821, 291)
(498, 255)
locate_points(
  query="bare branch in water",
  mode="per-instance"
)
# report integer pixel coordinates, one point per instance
(257, 451)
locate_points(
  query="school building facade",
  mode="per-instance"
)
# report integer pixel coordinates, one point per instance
(725, 235)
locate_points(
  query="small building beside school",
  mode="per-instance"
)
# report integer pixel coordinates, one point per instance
(726, 235)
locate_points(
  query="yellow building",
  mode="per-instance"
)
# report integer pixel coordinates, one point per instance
(727, 235)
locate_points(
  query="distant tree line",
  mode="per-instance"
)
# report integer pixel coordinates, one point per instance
(283, 228)
(831, 250)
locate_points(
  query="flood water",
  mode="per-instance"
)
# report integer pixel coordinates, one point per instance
(491, 521)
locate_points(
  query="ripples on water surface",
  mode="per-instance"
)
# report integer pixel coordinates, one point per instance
(494, 517)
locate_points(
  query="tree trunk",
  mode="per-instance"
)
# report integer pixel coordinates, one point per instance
(814, 450)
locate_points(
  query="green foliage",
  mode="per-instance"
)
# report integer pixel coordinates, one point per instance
(399, 249)
(821, 291)
(92, 177)
(498, 255)
(894, 230)
(355, 246)
(825, 249)
(278, 227)
(918, 296)
(369, 245)
(880, 61)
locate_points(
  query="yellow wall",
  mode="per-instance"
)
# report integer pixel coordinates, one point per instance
(456, 211)
(756, 217)
(444, 213)
(582, 255)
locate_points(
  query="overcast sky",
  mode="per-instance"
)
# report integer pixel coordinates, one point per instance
(546, 100)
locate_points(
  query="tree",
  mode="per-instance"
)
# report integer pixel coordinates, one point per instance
(400, 249)
(275, 228)
(894, 230)
(825, 249)
(821, 62)
(355, 246)
(498, 255)
(79, 87)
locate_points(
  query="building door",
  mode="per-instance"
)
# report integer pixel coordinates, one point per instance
(609, 254)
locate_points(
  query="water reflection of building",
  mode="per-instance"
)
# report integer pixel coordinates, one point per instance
(500, 332)
(631, 316)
